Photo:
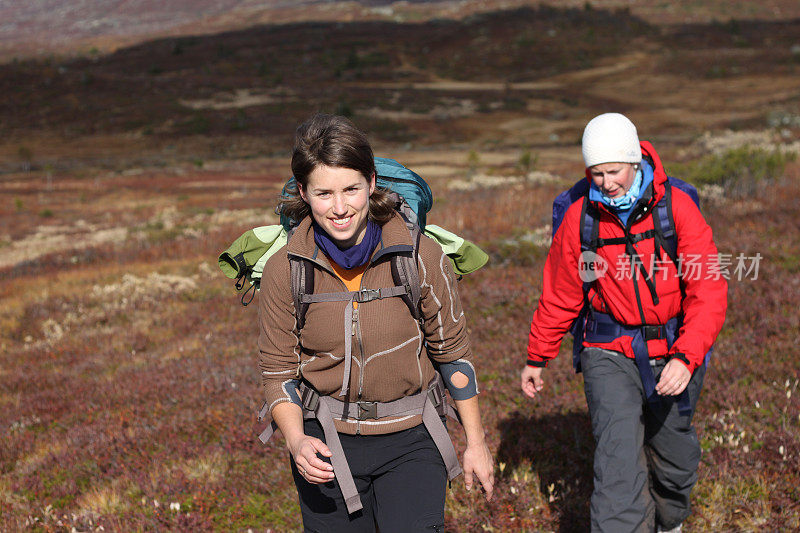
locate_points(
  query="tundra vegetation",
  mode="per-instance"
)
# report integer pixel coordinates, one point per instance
(128, 378)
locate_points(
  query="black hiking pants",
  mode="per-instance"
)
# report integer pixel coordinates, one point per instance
(646, 457)
(400, 477)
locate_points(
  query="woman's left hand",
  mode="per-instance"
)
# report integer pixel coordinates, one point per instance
(478, 461)
(673, 379)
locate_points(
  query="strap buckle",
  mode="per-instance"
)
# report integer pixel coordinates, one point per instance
(367, 410)
(367, 295)
(310, 399)
(435, 396)
(653, 332)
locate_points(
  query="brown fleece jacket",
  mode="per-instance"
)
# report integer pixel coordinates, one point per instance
(388, 346)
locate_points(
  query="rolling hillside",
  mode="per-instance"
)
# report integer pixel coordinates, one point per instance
(131, 157)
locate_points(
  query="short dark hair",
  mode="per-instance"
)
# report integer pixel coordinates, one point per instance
(333, 141)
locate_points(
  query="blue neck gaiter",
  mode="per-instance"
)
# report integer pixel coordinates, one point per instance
(355, 256)
(627, 200)
(623, 205)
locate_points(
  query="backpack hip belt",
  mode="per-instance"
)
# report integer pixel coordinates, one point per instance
(429, 402)
(603, 328)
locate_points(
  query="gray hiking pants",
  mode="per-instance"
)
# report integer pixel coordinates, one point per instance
(645, 461)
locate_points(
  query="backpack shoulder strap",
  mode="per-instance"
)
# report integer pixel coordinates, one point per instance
(302, 278)
(589, 228)
(405, 273)
(664, 223)
(302, 274)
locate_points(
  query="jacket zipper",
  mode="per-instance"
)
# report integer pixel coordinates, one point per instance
(357, 333)
(354, 323)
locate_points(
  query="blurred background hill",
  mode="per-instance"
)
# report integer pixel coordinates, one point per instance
(515, 76)
(59, 27)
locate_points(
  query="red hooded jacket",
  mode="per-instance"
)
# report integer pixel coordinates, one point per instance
(703, 305)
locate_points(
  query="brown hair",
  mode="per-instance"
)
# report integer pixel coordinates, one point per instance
(333, 141)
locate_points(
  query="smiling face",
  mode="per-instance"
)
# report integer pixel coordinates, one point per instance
(339, 202)
(613, 179)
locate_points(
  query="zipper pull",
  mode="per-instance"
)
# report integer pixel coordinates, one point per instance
(355, 321)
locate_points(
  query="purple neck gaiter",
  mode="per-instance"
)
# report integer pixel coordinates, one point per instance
(355, 256)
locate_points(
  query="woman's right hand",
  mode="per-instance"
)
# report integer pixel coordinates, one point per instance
(531, 381)
(304, 450)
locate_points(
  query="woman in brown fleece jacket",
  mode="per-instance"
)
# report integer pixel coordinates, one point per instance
(348, 229)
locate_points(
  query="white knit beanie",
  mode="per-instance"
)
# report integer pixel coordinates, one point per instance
(610, 138)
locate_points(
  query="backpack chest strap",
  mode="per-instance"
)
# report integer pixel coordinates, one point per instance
(350, 318)
(361, 296)
(633, 239)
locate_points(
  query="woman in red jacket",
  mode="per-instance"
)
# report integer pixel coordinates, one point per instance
(648, 326)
